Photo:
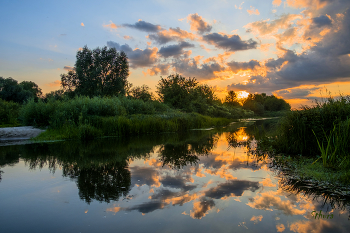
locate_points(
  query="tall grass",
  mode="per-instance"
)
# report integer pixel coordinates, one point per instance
(87, 118)
(297, 130)
(322, 130)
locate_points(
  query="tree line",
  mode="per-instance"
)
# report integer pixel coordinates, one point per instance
(104, 72)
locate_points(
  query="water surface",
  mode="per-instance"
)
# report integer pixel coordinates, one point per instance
(201, 181)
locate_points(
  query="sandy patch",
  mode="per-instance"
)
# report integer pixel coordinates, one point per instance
(19, 133)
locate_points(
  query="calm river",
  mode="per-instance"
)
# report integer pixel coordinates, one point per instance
(201, 181)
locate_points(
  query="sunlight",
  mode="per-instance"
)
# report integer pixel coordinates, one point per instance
(242, 94)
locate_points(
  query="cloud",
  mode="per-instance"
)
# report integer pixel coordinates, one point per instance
(240, 66)
(297, 93)
(82, 24)
(229, 42)
(198, 24)
(176, 182)
(201, 207)
(233, 187)
(189, 67)
(147, 207)
(144, 26)
(158, 69)
(240, 7)
(128, 37)
(173, 34)
(280, 227)
(270, 200)
(326, 62)
(318, 226)
(68, 68)
(137, 57)
(256, 219)
(322, 21)
(56, 83)
(276, 2)
(145, 175)
(307, 3)
(112, 25)
(265, 27)
(253, 11)
(174, 50)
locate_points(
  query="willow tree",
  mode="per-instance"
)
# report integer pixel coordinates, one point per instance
(98, 72)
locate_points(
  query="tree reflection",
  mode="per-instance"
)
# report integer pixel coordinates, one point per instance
(103, 183)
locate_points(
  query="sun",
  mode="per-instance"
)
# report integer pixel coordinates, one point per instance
(242, 94)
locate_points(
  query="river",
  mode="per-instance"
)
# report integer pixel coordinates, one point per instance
(202, 181)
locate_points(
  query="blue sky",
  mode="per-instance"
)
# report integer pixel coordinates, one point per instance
(291, 48)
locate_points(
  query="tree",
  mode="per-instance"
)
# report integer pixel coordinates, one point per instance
(176, 90)
(10, 90)
(98, 72)
(231, 99)
(142, 93)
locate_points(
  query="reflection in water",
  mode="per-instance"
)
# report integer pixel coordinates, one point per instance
(208, 175)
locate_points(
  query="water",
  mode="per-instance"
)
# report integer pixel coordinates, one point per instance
(202, 181)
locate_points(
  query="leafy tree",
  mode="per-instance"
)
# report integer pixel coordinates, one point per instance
(98, 72)
(32, 88)
(10, 90)
(231, 99)
(142, 93)
(176, 90)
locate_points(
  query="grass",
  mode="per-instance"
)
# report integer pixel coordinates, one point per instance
(313, 142)
(133, 125)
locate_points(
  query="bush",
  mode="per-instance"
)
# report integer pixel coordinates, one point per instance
(9, 113)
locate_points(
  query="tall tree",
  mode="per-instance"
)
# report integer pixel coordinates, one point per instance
(98, 72)
(231, 99)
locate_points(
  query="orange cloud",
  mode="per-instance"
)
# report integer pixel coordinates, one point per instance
(127, 37)
(256, 219)
(306, 3)
(276, 2)
(253, 11)
(198, 24)
(82, 24)
(114, 209)
(56, 83)
(280, 228)
(111, 25)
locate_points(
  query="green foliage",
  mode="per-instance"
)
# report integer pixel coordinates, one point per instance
(142, 93)
(98, 72)
(297, 130)
(9, 113)
(10, 90)
(231, 99)
(259, 103)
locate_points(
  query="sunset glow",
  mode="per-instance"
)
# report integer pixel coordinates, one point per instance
(288, 48)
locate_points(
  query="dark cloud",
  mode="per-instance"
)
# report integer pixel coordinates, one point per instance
(198, 24)
(321, 21)
(204, 206)
(174, 50)
(144, 26)
(147, 207)
(68, 68)
(164, 194)
(189, 67)
(296, 93)
(176, 182)
(137, 57)
(160, 38)
(237, 66)
(236, 187)
(232, 43)
(326, 62)
(143, 175)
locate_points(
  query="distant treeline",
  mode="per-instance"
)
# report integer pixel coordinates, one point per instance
(97, 86)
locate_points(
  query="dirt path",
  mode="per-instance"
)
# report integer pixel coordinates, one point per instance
(19, 133)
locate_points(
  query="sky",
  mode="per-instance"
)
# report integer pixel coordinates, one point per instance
(295, 49)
